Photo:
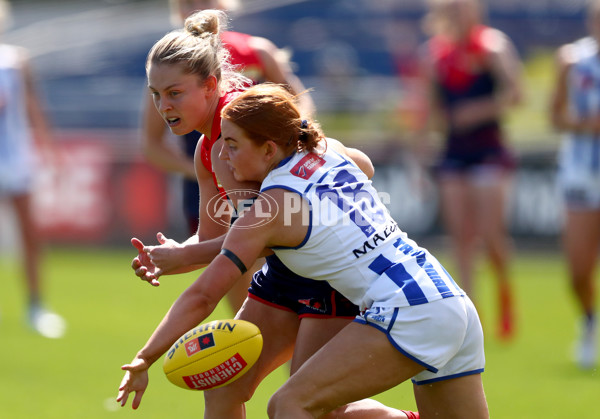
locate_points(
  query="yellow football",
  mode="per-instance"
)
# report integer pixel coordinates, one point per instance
(213, 354)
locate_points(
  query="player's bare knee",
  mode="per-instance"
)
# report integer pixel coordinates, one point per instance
(279, 404)
(286, 403)
(231, 394)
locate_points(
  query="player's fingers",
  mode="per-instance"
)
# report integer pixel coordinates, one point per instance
(122, 397)
(161, 238)
(135, 263)
(137, 399)
(137, 244)
(151, 279)
(141, 271)
(123, 392)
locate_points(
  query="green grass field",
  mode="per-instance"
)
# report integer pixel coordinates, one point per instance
(111, 314)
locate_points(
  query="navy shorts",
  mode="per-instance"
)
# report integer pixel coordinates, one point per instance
(482, 146)
(277, 286)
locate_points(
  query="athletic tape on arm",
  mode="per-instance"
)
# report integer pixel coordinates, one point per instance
(236, 260)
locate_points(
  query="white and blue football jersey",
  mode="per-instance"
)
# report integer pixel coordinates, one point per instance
(352, 241)
(16, 153)
(579, 156)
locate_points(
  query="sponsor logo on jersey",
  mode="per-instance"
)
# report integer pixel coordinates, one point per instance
(307, 166)
(376, 240)
(203, 342)
(217, 375)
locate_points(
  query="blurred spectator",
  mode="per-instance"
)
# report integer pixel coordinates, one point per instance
(23, 128)
(472, 74)
(575, 110)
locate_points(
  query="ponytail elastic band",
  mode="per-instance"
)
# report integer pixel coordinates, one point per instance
(304, 124)
(236, 260)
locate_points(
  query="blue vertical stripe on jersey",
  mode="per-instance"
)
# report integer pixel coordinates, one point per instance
(428, 267)
(452, 280)
(398, 274)
(437, 280)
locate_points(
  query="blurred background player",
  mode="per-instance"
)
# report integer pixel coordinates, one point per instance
(472, 75)
(575, 110)
(23, 127)
(259, 60)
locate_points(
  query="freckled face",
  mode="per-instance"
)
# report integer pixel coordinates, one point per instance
(180, 98)
(245, 159)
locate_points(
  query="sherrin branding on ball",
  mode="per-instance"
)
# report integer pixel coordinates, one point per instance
(213, 354)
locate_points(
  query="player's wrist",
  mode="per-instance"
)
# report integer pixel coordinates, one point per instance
(144, 359)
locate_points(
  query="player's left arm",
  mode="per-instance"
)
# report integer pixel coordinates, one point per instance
(507, 68)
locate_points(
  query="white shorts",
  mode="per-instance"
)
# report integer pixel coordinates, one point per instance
(580, 189)
(444, 336)
(578, 175)
(15, 178)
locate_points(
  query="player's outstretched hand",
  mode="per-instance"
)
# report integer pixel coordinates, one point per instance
(167, 257)
(135, 380)
(143, 266)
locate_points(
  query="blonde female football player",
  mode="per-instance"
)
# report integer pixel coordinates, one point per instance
(189, 77)
(257, 58)
(415, 322)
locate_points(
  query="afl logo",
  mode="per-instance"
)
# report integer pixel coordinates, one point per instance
(225, 213)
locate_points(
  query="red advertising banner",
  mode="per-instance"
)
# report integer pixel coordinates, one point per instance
(90, 195)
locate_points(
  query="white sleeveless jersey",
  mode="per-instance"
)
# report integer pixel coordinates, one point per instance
(579, 156)
(16, 153)
(352, 241)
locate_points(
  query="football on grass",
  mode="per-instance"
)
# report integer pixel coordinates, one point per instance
(213, 354)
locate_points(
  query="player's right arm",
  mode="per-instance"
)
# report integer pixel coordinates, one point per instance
(171, 257)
